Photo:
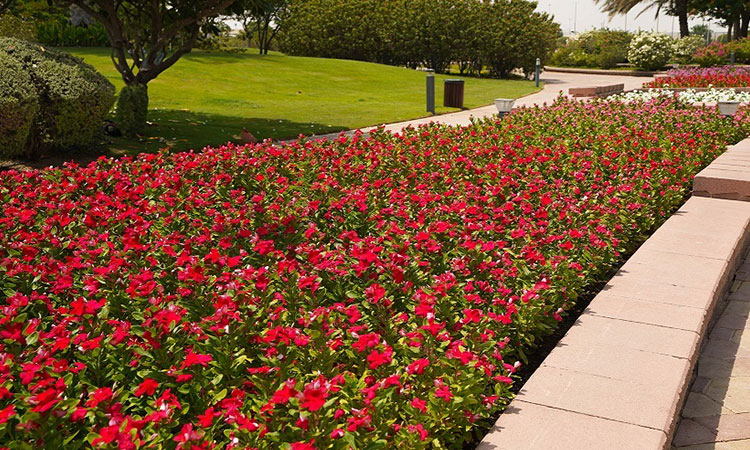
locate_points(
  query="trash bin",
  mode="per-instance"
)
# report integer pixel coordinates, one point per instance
(453, 93)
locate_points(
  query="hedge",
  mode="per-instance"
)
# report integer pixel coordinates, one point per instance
(18, 106)
(502, 35)
(73, 97)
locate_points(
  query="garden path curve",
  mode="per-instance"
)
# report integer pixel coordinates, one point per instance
(554, 83)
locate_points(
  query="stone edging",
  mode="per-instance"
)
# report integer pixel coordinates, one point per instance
(619, 377)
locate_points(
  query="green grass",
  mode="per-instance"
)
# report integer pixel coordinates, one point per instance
(207, 98)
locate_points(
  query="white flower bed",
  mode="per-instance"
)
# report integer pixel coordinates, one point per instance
(712, 95)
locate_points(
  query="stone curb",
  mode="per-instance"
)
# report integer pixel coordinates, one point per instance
(619, 378)
(728, 177)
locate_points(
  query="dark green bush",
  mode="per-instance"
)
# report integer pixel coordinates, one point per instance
(602, 48)
(132, 109)
(67, 35)
(18, 106)
(73, 97)
(502, 35)
(13, 26)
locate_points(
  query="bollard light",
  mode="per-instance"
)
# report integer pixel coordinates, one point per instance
(430, 91)
(504, 105)
(731, 58)
(538, 70)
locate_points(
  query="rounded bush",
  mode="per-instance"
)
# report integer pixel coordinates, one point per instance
(132, 109)
(73, 97)
(650, 50)
(18, 106)
(684, 48)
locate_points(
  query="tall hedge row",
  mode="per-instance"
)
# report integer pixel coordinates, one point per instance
(69, 99)
(502, 36)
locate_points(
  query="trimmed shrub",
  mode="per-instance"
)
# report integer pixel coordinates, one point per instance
(602, 48)
(73, 97)
(650, 50)
(18, 106)
(503, 35)
(13, 26)
(684, 48)
(715, 54)
(132, 109)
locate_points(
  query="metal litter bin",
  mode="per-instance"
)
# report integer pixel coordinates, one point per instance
(453, 94)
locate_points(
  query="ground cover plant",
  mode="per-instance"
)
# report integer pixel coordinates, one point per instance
(362, 293)
(711, 95)
(207, 98)
(695, 77)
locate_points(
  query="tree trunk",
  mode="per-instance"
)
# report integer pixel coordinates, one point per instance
(729, 32)
(682, 15)
(745, 23)
(132, 109)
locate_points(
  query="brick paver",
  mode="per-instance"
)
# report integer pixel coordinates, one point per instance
(716, 414)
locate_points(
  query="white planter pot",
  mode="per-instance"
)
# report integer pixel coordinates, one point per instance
(504, 105)
(728, 108)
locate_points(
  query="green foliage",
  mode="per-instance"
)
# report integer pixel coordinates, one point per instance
(67, 35)
(73, 97)
(685, 48)
(602, 48)
(650, 50)
(132, 109)
(503, 35)
(192, 106)
(14, 26)
(718, 53)
(18, 106)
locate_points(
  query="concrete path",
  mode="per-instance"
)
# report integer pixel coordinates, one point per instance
(554, 83)
(716, 415)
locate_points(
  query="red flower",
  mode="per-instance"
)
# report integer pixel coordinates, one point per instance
(419, 404)
(192, 359)
(101, 395)
(147, 387)
(418, 366)
(313, 398)
(377, 358)
(7, 413)
(302, 446)
(106, 435)
(284, 394)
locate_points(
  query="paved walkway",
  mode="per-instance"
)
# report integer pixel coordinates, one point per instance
(554, 82)
(716, 415)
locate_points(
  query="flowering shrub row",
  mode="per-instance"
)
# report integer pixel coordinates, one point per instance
(691, 96)
(366, 293)
(723, 76)
(719, 53)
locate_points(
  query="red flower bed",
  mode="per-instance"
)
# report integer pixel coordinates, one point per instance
(696, 77)
(369, 292)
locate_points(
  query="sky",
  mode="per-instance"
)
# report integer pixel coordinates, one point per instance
(583, 15)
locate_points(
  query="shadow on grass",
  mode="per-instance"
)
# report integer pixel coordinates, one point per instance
(180, 131)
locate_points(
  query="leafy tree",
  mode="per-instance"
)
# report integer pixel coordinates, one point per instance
(147, 37)
(677, 8)
(735, 14)
(262, 19)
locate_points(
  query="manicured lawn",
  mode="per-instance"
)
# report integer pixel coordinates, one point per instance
(207, 98)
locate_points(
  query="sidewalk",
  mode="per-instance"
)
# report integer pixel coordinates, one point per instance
(716, 415)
